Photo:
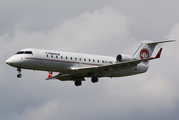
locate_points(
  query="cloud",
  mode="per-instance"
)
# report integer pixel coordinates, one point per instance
(94, 29)
(87, 32)
(174, 32)
(45, 111)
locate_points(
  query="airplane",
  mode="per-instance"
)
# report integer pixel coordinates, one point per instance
(77, 66)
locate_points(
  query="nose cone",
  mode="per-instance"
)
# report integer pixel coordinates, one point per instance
(7, 61)
(12, 61)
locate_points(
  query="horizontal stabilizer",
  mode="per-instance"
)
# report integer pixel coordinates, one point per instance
(156, 42)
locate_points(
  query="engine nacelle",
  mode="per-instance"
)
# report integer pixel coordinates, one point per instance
(123, 58)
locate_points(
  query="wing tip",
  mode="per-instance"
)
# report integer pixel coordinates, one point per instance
(50, 75)
(159, 53)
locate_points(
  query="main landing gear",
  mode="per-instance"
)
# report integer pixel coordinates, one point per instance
(79, 82)
(94, 79)
(19, 75)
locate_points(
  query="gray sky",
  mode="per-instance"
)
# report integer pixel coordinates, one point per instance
(106, 27)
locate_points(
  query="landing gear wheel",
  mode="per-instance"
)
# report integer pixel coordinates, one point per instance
(78, 82)
(19, 71)
(94, 79)
(19, 75)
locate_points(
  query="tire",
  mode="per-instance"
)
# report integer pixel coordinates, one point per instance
(19, 75)
(78, 83)
(94, 79)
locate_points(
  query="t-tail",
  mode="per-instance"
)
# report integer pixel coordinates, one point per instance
(146, 49)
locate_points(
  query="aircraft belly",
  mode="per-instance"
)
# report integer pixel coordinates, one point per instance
(130, 71)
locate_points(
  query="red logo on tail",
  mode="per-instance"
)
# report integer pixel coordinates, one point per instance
(144, 54)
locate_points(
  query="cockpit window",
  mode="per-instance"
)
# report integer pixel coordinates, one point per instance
(20, 52)
(24, 52)
(28, 52)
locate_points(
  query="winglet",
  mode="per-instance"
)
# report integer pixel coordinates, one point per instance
(50, 75)
(159, 53)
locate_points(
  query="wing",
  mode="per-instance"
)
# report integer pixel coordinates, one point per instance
(107, 68)
(80, 72)
(118, 66)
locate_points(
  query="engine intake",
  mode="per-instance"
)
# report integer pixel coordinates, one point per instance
(123, 58)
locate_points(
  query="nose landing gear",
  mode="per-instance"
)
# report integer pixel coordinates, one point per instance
(19, 75)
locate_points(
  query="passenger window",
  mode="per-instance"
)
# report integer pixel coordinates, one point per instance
(75, 58)
(111, 62)
(98, 61)
(66, 57)
(80, 59)
(56, 56)
(102, 61)
(61, 57)
(51, 56)
(71, 58)
(89, 60)
(93, 60)
(84, 59)
(47, 55)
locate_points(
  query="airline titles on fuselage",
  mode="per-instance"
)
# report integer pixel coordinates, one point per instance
(50, 53)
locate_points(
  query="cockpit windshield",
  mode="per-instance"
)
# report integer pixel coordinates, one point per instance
(24, 52)
(28, 52)
(20, 52)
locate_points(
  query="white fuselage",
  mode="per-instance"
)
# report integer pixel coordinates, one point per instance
(67, 62)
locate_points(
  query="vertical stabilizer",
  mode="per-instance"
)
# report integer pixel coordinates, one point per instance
(146, 49)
